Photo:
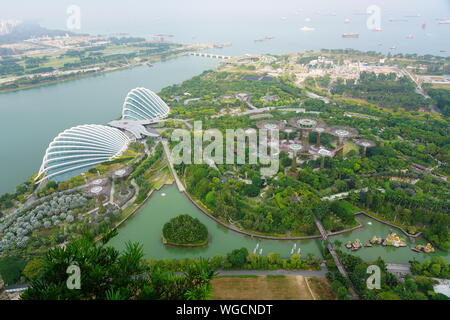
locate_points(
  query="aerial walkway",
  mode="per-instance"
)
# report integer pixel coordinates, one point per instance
(335, 256)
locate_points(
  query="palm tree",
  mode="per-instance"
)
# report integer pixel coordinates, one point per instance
(107, 274)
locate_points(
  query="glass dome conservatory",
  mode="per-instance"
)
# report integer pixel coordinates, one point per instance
(79, 148)
(144, 104)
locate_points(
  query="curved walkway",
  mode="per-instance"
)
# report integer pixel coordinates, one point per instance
(391, 225)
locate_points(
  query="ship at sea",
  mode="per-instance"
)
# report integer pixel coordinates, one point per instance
(398, 20)
(264, 39)
(222, 45)
(350, 35)
(305, 28)
(412, 15)
(446, 21)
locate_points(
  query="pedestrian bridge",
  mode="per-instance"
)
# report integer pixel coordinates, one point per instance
(208, 55)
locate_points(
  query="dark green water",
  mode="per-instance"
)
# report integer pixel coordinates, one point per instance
(146, 227)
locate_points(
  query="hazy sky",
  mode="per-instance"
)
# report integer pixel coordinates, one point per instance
(101, 16)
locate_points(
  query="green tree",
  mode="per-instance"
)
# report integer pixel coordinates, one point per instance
(11, 269)
(107, 274)
(238, 257)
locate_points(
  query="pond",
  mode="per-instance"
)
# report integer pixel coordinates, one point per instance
(146, 227)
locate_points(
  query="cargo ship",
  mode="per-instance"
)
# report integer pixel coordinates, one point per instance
(222, 45)
(264, 39)
(305, 28)
(350, 35)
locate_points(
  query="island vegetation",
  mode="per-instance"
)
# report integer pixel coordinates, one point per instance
(185, 230)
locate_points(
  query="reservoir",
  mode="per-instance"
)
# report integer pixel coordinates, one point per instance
(146, 227)
(31, 118)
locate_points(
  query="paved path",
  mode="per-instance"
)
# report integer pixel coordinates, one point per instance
(316, 96)
(172, 169)
(147, 151)
(342, 195)
(250, 105)
(249, 112)
(419, 89)
(111, 194)
(136, 192)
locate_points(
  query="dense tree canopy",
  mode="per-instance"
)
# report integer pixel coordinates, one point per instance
(185, 230)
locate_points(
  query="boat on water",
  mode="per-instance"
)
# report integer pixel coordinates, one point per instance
(222, 45)
(376, 240)
(367, 245)
(446, 21)
(350, 35)
(305, 28)
(377, 30)
(347, 20)
(409, 36)
(394, 240)
(428, 248)
(264, 38)
(355, 245)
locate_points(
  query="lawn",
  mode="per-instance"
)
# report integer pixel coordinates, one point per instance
(321, 289)
(260, 288)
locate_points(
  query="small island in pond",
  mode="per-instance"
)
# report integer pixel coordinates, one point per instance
(186, 231)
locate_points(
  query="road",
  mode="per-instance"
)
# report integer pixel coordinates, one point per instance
(419, 89)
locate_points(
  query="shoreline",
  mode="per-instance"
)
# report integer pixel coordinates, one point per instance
(267, 237)
(184, 245)
(416, 235)
(85, 75)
